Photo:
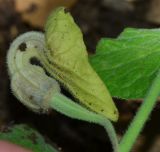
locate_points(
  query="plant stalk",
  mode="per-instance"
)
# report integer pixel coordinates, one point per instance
(73, 110)
(141, 117)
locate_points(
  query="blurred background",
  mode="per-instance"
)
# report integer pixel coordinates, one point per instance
(97, 19)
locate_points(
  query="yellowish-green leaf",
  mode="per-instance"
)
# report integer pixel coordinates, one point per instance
(67, 60)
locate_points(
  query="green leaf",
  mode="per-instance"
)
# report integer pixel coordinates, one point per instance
(26, 137)
(128, 64)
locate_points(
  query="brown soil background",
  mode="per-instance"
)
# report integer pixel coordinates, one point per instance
(97, 19)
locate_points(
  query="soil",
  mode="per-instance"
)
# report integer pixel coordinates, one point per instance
(96, 21)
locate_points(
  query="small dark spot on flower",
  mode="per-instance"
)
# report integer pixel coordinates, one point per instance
(35, 61)
(22, 47)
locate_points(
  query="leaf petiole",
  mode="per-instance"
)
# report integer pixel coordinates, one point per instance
(73, 110)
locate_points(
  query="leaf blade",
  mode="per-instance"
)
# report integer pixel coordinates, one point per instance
(128, 64)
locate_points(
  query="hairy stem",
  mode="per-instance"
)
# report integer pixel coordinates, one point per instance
(141, 117)
(71, 109)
